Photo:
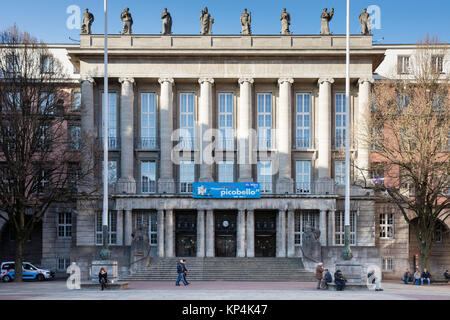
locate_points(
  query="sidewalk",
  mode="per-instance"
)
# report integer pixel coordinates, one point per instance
(218, 290)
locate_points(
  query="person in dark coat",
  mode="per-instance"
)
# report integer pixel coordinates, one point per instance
(425, 276)
(180, 271)
(446, 275)
(103, 278)
(340, 280)
(185, 271)
(407, 276)
(327, 278)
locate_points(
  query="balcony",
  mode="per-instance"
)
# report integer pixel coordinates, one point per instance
(302, 143)
(225, 144)
(147, 143)
(315, 187)
(113, 143)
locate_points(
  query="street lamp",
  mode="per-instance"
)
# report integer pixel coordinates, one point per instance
(105, 253)
(347, 253)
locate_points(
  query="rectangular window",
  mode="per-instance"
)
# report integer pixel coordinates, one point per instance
(403, 64)
(225, 171)
(339, 172)
(113, 141)
(12, 64)
(340, 227)
(73, 175)
(303, 177)
(187, 176)
(264, 121)
(340, 121)
(75, 137)
(64, 224)
(304, 219)
(112, 172)
(388, 264)
(112, 228)
(42, 180)
(303, 133)
(47, 103)
(403, 101)
(226, 139)
(265, 176)
(377, 172)
(47, 64)
(13, 101)
(153, 229)
(148, 176)
(76, 101)
(148, 121)
(187, 121)
(62, 263)
(45, 138)
(387, 226)
(437, 64)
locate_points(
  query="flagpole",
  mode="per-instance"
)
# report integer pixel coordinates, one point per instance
(347, 253)
(105, 254)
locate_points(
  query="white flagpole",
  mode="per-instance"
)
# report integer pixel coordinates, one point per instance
(346, 254)
(105, 142)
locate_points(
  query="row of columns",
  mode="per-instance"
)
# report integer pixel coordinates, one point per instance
(245, 233)
(284, 184)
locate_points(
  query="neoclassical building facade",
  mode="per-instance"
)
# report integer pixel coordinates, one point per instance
(278, 105)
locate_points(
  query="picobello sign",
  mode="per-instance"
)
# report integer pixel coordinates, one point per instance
(219, 190)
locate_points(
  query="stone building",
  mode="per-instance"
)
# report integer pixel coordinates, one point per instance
(289, 89)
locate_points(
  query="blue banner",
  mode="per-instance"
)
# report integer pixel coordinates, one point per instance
(227, 190)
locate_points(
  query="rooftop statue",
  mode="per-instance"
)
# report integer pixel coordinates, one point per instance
(88, 19)
(206, 21)
(285, 22)
(326, 17)
(246, 20)
(127, 21)
(166, 22)
(364, 19)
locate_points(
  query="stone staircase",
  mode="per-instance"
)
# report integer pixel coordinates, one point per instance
(225, 269)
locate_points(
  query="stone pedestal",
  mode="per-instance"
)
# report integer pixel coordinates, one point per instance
(111, 267)
(353, 272)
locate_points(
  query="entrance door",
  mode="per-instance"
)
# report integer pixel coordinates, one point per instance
(265, 234)
(225, 234)
(186, 234)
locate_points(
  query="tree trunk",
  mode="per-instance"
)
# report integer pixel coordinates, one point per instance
(20, 245)
(424, 256)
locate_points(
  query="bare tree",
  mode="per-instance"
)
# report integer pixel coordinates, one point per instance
(408, 132)
(39, 164)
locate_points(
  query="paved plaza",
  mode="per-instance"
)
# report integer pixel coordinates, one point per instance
(219, 290)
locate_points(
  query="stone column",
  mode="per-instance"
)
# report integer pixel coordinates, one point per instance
(160, 234)
(331, 227)
(361, 127)
(281, 234)
(323, 227)
(290, 234)
(323, 128)
(250, 233)
(285, 182)
(128, 230)
(240, 252)
(127, 183)
(204, 123)
(120, 228)
(170, 234)
(88, 133)
(210, 249)
(244, 154)
(200, 233)
(165, 182)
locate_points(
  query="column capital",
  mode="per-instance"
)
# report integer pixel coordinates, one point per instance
(322, 80)
(209, 80)
(126, 79)
(249, 80)
(282, 80)
(366, 79)
(170, 80)
(88, 79)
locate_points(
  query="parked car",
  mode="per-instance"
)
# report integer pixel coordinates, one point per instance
(29, 272)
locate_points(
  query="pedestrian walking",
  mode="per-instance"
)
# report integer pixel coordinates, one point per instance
(103, 278)
(340, 280)
(425, 276)
(180, 271)
(185, 271)
(319, 274)
(326, 279)
(374, 280)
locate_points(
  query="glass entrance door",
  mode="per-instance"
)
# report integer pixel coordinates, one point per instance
(186, 234)
(226, 246)
(225, 233)
(265, 234)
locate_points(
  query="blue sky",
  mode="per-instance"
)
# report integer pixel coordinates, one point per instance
(402, 21)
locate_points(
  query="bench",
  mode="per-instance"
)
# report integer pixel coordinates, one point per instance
(109, 286)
